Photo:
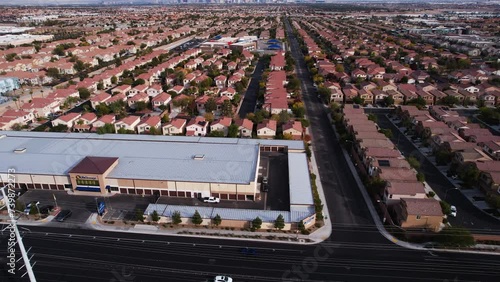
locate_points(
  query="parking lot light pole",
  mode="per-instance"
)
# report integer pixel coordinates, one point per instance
(38, 209)
(24, 254)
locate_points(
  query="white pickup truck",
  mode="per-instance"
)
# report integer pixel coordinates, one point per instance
(211, 200)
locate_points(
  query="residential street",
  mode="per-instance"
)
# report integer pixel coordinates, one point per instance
(250, 98)
(468, 215)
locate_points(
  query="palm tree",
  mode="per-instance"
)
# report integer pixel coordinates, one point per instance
(15, 101)
(31, 94)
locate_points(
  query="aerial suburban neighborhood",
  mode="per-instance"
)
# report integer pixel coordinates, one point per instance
(249, 141)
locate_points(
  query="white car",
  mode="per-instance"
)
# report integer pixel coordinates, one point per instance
(223, 279)
(453, 211)
(211, 200)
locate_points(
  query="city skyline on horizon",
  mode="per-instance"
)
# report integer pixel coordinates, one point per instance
(138, 2)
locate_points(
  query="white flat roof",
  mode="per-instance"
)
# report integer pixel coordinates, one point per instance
(230, 214)
(140, 157)
(300, 183)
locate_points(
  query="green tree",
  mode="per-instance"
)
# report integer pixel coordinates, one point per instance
(256, 224)
(388, 101)
(100, 85)
(387, 132)
(455, 237)
(232, 131)
(102, 109)
(106, 128)
(176, 217)
(279, 223)
(216, 133)
(227, 108)
(59, 128)
(79, 66)
(139, 81)
(114, 79)
(420, 177)
(449, 101)
(196, 219)
(217, 220)
(298, 109)
(469, 175)
(301, 226)
(325, 93)
(445, 207)
(84, 93)
(419, 102)
(155, 217)
(372, 117)
(210, 105)
(52, 72)
(358, 100)
(139, 215)
(414, 163)
(141, 106)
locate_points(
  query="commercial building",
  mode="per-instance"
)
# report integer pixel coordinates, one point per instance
(8, 84)
(20, 39)
(173, 166)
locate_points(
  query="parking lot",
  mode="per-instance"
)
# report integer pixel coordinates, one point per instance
(278, 196)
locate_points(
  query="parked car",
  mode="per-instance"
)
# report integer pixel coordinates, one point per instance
(453, 211)
(265, 180)
(63, 215)
(211, 200)
(221, 278)
(265, 187)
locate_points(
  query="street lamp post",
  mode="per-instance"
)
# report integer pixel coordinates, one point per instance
(38, 209)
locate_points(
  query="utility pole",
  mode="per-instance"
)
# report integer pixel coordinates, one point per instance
(13, 221)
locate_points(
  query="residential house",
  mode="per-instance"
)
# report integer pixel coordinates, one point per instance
(396, 190)
(175, 127)
(245, 127)
(294, 129)
(228, 92)
(197, 126)
(154, 90)
(106, 119)
(84, 123)
(68, 120)
(98, 99)
(267, 129)
(147, 123)
(128, 123)
(420, 214)
(221, 124)
(160, 100)
(141, 97)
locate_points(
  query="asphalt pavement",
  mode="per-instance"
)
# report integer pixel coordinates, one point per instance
(250, 98)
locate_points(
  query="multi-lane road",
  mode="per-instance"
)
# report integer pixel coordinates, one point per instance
(356, 251)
